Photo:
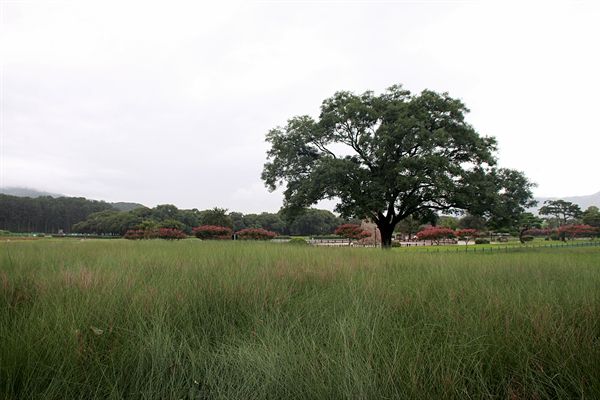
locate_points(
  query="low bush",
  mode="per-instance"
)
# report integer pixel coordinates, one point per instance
(326, 237)
(482, 241)
(298, 241)
(212, 232)
(527, 238)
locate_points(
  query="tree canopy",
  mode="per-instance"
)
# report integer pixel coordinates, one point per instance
(389, 156)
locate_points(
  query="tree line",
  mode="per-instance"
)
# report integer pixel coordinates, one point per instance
(79, 215)
(311, 222)
(46, 214)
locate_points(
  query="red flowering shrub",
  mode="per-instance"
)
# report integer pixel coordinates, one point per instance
(162, 233)
(212, 232)
(171, 234)
(467, 234)
(255, 234)
(351, 231)
(573, 231)
(435, 234)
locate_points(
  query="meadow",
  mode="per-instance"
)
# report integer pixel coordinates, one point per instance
(153, 319)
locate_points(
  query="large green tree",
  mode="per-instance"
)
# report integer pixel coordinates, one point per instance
(385, 157)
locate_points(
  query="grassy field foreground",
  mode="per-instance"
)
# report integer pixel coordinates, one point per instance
(200, 320)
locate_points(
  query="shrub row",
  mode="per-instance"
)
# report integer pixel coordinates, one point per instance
(161, 233)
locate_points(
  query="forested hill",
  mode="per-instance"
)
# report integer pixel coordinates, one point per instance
(46, 214)
(125, 206)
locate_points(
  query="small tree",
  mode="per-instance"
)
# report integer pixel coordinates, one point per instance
(255, 234)
(467, 234)
(562, 210)
(435, 234)
(351, 231)
(526, 222)
(212, 232)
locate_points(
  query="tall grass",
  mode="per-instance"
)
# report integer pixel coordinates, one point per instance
(202, 320)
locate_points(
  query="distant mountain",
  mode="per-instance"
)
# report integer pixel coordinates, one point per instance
(27, 192)
(582, 201)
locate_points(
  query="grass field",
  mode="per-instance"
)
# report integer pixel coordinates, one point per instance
(198, 320)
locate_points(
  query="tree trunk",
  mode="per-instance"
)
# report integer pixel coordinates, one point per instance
(521, 232)
(386, 231)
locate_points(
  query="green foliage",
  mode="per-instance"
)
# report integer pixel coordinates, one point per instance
(446, 221)
(501, 195)
(527, 238)
(268, 221)
(314, 222)
(237, 220)
(472, 222)
(117, 223)
(591, 216)
(216, 216)
(402, 154)
(482, 241)
(173, 224)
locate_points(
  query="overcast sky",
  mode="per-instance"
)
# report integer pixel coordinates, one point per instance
(169, 102)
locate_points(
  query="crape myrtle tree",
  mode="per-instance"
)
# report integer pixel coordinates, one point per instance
(384, 157)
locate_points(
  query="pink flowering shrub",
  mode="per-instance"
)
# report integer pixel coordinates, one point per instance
(212, 232)
(537, 232)
(435, 234)
(255, 234)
